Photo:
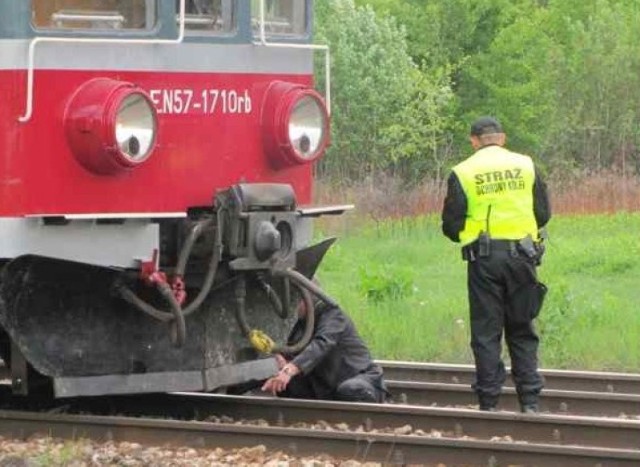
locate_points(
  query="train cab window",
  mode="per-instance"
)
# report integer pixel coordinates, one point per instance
(94, 14)
(217, 16)
(281, 17)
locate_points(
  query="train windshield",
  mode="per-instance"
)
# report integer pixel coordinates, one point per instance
(281, 17)
(94, 14)
(216, 16)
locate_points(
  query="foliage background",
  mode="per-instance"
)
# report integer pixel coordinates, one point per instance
(409, 76)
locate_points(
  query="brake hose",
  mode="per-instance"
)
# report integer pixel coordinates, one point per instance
(301, 280)
(283, 310)
(167, 293)
(177, 313)
(259, 339)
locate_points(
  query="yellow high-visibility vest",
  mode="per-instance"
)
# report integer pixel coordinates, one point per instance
(499, 184)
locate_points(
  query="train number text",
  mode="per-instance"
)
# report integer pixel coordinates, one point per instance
(206, 101)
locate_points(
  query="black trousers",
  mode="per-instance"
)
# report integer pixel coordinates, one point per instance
(503, 292)
(361, 388)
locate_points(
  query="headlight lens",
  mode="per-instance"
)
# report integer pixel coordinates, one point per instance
(295, 124)
(306, 127)
(111, 126)
(135, 127)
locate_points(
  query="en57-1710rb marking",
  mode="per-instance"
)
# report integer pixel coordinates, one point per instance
(206, 101)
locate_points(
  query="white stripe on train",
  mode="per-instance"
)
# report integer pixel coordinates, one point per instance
(184, 57)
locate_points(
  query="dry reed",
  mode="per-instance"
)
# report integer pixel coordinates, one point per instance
(386, 198)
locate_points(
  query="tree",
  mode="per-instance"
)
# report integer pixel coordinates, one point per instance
(562, 76)
(374, 82)
(564, 81)
(514, 80)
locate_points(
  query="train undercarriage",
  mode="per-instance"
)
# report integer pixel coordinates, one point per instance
(205, 314)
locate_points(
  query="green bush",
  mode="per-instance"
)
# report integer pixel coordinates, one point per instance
(384, 283)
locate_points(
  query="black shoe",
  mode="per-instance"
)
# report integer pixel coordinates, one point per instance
(488, 408)
(529, 408)
(488, 403)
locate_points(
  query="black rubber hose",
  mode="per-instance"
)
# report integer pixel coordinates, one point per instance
(206, 286)
(181, 328)
(286, 303)
(241, 294)
(177, 313)
(185, 251)
(281, 310)
(167, 293)
(301, 280)
(211, 272)
(129, 296)
(308, 329)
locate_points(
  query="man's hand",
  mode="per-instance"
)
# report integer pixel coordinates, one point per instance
(279, 382)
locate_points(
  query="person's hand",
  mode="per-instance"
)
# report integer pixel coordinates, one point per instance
(279, 382)
(276, 384)
(280, 361)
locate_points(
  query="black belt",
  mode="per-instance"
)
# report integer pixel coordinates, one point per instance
(471, 251)
(502, 245)
(498, 245)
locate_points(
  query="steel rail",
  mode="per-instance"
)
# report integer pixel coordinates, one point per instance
(567, 380)
(451, 422)
(542, 428)
(394, 449)
(554, 401)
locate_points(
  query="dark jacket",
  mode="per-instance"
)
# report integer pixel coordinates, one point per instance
(335, 353)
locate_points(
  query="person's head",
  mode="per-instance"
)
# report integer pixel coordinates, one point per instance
(486, 131)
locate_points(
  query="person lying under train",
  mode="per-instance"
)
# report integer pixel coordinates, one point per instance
(335, 365)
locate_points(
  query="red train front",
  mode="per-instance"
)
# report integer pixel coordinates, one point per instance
(155, 158)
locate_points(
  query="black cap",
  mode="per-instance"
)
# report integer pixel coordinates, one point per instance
(485, 126)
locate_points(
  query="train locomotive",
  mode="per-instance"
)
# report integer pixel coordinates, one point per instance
(157, 169)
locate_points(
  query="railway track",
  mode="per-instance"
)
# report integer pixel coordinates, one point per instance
(599, 404)
(449, 422)
(366, 444)
(565, 380)
(556, 397)
(391, 433)
(566, 392)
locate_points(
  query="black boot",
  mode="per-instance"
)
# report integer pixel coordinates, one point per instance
(488, 408)
(488, 403)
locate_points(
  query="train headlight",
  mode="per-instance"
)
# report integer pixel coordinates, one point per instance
(295, 124)
(307, 126)
(135, 127)
(111, 126)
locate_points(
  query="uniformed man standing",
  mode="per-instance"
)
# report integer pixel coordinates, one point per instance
(495, 206)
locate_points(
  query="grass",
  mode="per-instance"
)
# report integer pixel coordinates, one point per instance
(404, 284)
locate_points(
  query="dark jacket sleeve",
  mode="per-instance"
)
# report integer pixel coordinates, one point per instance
(541, 205)
(328, 330)
(454, 211)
